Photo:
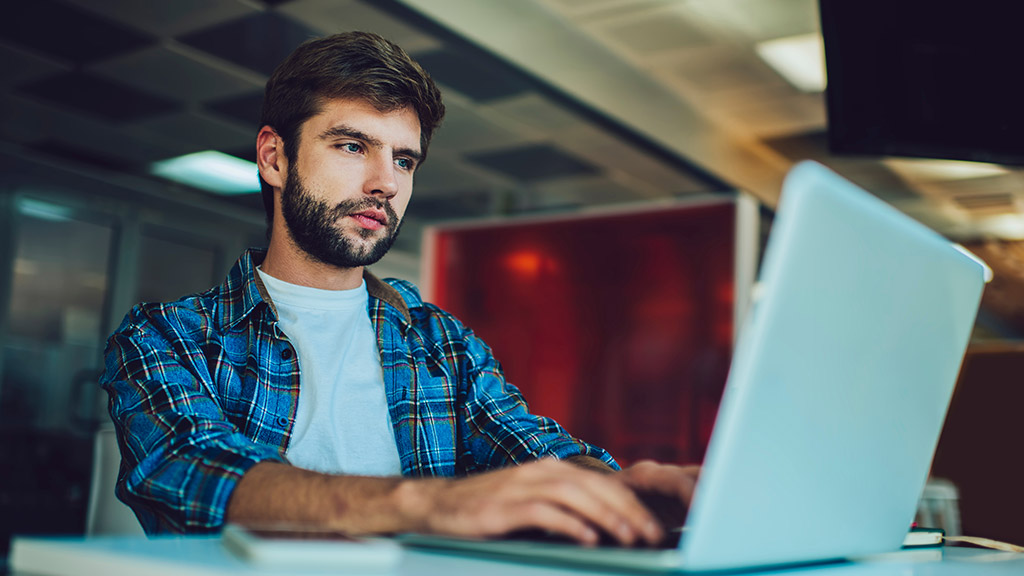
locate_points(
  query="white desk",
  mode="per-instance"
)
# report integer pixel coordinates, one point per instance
(199, 556)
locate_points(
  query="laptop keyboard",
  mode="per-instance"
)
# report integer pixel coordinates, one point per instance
(670, 512)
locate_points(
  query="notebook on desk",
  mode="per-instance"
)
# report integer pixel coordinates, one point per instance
(836, 395)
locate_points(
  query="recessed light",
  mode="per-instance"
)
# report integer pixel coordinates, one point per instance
(925, 169)
(798, 59)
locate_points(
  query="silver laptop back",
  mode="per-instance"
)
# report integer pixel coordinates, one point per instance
(839, 384)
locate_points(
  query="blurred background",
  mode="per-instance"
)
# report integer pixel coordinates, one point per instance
(686, 112)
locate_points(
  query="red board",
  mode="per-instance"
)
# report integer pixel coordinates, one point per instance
(618, 326)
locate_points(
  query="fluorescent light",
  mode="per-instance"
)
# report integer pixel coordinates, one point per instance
(44, 210)
(798, 59)
(1004, 226)
(920, 169)
(212, 171)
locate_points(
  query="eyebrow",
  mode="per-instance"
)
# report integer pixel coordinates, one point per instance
(343, 131)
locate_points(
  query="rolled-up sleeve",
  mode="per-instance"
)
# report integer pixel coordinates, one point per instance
(181, 456)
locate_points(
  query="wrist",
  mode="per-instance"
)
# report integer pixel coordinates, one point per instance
(414, 499)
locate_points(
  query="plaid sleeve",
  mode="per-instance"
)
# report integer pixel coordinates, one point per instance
(181, 457)
(498, 427)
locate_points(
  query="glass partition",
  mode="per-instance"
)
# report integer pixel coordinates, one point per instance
(51, 355)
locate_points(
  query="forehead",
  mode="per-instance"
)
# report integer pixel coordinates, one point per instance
(397, 128)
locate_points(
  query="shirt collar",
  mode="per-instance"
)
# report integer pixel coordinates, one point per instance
(243, 291)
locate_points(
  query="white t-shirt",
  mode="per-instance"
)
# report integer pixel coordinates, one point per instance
(342, 425)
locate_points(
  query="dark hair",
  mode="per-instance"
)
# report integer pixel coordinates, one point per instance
(358, 65)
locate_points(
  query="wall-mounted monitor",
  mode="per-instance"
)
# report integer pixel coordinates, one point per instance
(925, 78)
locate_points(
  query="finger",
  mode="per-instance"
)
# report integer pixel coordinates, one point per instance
(551, 518)
(627, 505)
(604, 502)
(669, 480)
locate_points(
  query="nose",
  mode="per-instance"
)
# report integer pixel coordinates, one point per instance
(381, 179)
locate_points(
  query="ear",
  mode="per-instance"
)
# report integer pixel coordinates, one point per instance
(270, 157)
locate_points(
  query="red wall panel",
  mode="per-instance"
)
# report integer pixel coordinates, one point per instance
(618, 326)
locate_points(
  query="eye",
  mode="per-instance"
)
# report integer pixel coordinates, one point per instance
(349, 147)
(405, 163)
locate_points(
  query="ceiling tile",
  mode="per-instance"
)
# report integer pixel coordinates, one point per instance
(788, 114)
(462, 204)
(67, 32)
(757, 20)
(479, 77)
(258, 42)
(467, 128)
(162, 70)
(100, 97)
(584, 191)
(723, 69)
(533, 162)
(333, 16)
(612, 153)
(584, 10)
(1009, 183)
(169, 18)
(443, 175)
(79, 154)
(22, 67)
(195, 132)
(654, 32)
(999, 203)
(245, 109)
(537, 112)
(31, 121)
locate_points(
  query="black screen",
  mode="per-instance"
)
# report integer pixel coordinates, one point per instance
(934, 79)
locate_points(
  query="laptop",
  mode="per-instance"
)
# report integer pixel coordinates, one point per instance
(835, 399)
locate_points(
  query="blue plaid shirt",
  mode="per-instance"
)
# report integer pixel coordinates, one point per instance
(204, 388)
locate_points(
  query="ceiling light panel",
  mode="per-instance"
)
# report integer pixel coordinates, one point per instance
(211, 171)
(798, 59)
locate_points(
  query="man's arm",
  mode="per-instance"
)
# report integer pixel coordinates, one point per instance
(180, 454)
(547, 494)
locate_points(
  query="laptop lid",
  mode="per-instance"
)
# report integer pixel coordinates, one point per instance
(839, 384)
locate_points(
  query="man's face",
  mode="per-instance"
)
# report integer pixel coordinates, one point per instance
(350, 184)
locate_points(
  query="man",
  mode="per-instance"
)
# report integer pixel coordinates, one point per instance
(399, 419)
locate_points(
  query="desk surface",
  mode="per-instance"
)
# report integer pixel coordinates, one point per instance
(201, 556)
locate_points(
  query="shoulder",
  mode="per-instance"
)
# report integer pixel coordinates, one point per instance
(438, 331)
(187, 316)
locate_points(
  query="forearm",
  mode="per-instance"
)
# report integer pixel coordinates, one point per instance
(275, 492)
(546, 494)
(590, 463)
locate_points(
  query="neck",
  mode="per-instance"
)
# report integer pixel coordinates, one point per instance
(286, 261)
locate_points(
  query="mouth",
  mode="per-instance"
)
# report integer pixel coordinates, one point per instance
(371, 219)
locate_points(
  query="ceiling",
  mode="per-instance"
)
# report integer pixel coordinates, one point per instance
(553, 105)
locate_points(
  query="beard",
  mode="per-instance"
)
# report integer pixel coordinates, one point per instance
(313, 225)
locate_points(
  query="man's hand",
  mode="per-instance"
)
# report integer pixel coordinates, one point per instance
(550, 495)
(665, 489)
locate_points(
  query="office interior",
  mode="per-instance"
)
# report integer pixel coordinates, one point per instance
(556, 109)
